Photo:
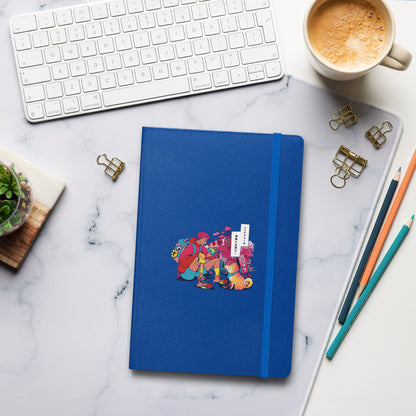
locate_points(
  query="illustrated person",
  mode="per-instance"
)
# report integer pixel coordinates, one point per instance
(195, 261)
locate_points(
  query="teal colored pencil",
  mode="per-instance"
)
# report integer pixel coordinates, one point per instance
(352, 316)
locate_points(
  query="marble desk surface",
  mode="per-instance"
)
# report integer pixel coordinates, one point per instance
(65, 316)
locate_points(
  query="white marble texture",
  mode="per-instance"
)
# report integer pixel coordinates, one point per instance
(65, 316)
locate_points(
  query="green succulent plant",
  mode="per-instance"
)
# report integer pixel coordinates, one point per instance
(8, 183)
(9, 194)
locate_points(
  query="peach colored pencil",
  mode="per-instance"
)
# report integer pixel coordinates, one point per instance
(387, 225)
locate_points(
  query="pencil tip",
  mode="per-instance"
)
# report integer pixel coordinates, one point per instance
(400, 169)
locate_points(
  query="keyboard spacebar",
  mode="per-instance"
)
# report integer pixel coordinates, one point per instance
(148, 91)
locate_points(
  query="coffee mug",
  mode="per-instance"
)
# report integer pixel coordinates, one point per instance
(347, 38)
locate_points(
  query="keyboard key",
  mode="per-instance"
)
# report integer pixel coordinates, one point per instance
(129, 24)
(213, 62)
(54, 90)
(254, 37)
(199, 11)
(94, 30)
(24, 24)
(176, 33)
(182, 15)
(259, 54)
(195, 65)
(52, 55)
(146, 91)
(143, 74)
(113, 62)
(99, 11)
(201, 82)
(164, 17)
(160, 71)
(22, 42)
(264, 19)
(77, 68)
(105, 45)
(273, 69)
(72, 87)
(35, 93)
(82, 14)
(60, 71)
(178, 68)
(30, 58)
(70, 51)
(95, 65)
(58, 36)
(238, 75)
(193, 30)
(53, 108)
(40, 39)
(123, 42)
(246, 21)
(141, 39)
(236, 40)
(217, 8)
(107, 80)
(234, 6)
(63, 17)
(88, 48)
(89, 84)
(152, 4)
(76, 33)
(147, 21)
(135, 6)
(35, 111)
(211, 27)
(230, 59)
(117, 8)
(221, 78)
(46, 20)
(90, 101)
(148, 55)
(35, 75)
(131, 58)
(125, 78)
(256, 4)
(111, 27)
(70, 105)
(166, 53)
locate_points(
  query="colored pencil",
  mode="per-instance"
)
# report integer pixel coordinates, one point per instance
(369, 289)
(370, 244)
(387, 225)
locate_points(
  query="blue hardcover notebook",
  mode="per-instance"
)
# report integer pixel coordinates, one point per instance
(216, 252)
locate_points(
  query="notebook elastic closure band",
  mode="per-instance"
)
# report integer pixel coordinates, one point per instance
(271, 247)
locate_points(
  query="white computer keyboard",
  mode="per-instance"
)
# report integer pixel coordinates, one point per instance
(103, 55)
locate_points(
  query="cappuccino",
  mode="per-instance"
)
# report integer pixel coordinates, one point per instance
(350, 34)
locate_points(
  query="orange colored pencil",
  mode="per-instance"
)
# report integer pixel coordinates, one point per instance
(387, 225)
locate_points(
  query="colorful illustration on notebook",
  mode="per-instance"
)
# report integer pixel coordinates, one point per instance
(225, 262)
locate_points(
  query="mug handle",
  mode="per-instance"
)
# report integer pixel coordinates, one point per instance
(398, 58)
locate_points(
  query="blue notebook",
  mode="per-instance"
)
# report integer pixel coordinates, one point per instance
(216, 252)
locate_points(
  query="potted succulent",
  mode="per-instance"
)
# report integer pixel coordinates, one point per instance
(16, 198)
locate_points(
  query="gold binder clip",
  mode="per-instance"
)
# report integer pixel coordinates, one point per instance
(348, 164)
(113, 167)
(377, 136)
(344, 116)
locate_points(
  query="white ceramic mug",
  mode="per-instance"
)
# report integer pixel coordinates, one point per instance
(392, 55)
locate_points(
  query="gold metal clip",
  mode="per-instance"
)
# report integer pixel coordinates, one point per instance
(348, 164)
(113, 167)
(344, 116)
(377, 135)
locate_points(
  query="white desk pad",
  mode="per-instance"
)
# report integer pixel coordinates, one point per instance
(89, 276)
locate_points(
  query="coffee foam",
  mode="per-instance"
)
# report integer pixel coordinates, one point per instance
(350, 35)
